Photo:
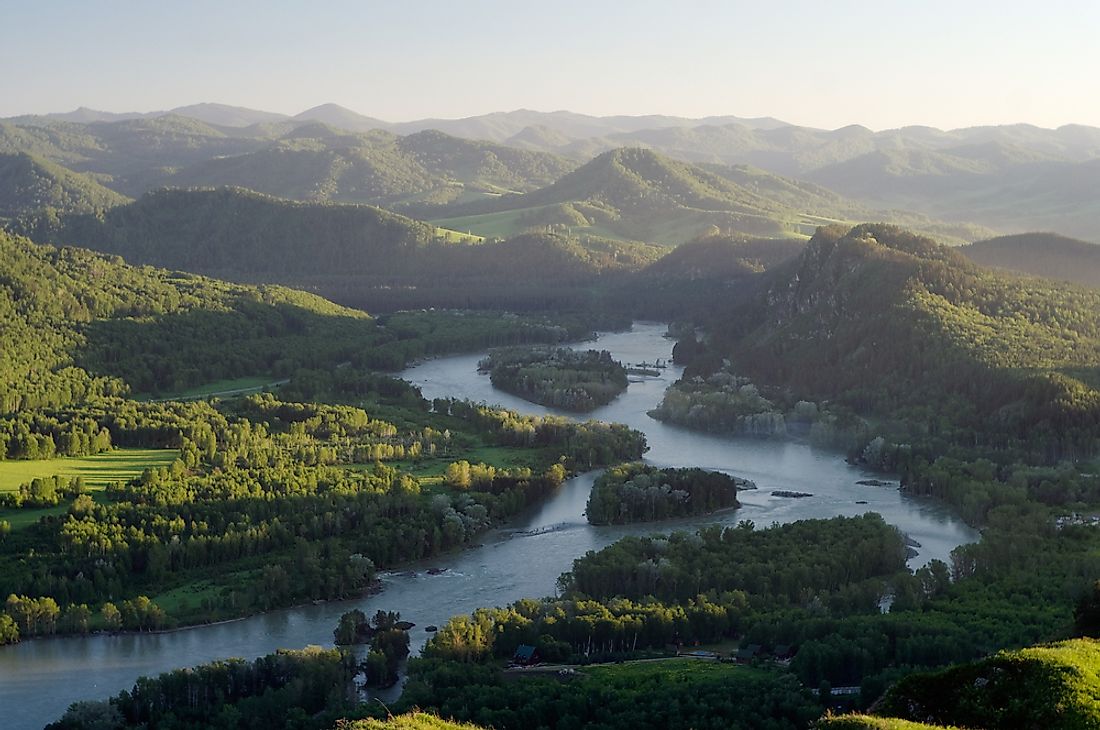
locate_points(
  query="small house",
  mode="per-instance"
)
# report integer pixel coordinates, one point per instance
(746, 654)
(784, 653)
(525, 655)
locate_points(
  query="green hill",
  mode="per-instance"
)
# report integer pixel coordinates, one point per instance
(357, 254)
(691, 278)
(28, 184)
(76, 324)
(1055, 687)
(318, 163)
(1040, 254)
(234, 233)
(723, 257)
(893, 324)
(641, 195)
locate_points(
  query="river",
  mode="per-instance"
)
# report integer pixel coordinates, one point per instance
(40, 678)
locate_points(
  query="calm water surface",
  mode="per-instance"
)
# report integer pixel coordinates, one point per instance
(40, 678)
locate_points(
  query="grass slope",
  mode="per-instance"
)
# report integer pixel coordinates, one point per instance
(870, 722)
(1055, 687)
(411, 721)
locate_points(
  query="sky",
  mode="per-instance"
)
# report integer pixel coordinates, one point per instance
(825, 63)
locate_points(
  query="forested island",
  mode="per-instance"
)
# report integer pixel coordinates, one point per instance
(638, 492)
(558, 377)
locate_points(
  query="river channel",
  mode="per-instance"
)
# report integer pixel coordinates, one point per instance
(40, 678)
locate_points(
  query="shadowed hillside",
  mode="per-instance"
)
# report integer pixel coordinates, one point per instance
(1040, 254)
(892, 323)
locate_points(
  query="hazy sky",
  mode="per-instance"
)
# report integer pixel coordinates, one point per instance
(826, 63)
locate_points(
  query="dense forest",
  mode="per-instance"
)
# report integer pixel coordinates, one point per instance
(639, 493)
(358, 254)
(288, 689)
(267, 501)
(558, 377)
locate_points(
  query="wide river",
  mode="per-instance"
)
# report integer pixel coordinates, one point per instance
(40, 678)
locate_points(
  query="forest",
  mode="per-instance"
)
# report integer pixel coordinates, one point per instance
(269, 501)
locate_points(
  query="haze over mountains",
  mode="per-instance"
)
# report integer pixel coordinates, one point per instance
(1008, 179)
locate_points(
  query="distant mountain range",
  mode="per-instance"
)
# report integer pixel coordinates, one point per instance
(1001, 179)
(639, 194)
(317, 162)
(496, 126)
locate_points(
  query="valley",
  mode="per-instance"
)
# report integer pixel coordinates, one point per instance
(382, 366)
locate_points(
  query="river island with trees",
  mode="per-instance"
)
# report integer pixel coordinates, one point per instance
(557, 376)
(637, 492)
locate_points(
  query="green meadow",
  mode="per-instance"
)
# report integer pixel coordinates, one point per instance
(98, 470)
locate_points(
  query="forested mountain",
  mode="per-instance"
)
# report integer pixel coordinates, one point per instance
(894, 324)
(355, 253)
(1040, 254)
(641, 195)
(237, 233)
(126, 155)
(317, 162)
(691, 278)
(1006, 178)
(1006, 188)
(793, 150)
(28, 184)
(78, 324)
(224, 115)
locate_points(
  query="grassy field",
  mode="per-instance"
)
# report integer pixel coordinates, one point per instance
(20, 518)
(866, 722)
(234, 386)
(98, 471)
(452, 236)
(430, 469)
(184, 602)
(673, 669)
(490, 225)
